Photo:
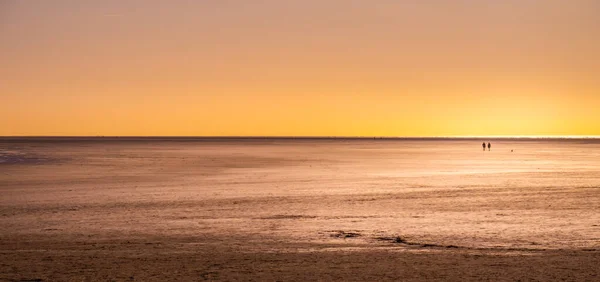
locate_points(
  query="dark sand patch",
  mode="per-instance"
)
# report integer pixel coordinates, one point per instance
(403, 241)
(344, 234)
(288, 216)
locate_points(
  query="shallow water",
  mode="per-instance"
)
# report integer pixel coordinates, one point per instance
(523, 194)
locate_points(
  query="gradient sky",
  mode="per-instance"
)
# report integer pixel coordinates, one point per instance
(300, 68)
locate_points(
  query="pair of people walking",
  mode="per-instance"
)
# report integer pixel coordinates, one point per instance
(489, 146)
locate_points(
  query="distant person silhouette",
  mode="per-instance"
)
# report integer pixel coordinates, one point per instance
(483, 146)
(489, 146)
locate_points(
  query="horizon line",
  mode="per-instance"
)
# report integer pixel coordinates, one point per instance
(309, 137)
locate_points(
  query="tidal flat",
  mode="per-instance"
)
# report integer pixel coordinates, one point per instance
(187, 209)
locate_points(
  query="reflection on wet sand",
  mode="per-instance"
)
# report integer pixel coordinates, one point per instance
(280, 200)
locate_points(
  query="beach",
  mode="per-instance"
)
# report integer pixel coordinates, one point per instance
(294, 209)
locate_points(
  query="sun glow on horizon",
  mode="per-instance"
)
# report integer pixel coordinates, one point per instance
(308, 68)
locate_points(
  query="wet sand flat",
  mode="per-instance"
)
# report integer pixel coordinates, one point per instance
(272, 209)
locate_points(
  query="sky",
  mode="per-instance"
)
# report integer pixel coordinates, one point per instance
(299, 68)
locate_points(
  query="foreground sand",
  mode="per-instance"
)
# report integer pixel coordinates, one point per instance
(205, 258)
(97, 211)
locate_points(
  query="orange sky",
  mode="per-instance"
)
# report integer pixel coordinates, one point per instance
(300, 68)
